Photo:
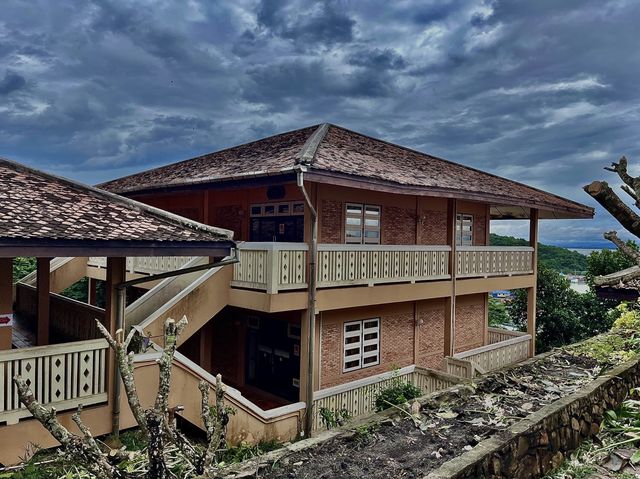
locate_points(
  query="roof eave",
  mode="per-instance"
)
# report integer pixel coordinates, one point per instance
(230, 182)
(49, 248)
(329, 177)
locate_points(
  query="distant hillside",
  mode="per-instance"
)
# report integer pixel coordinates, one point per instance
(560, 259)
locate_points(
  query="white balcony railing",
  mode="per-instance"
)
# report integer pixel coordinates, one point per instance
(146, 265)
(484, 261)
(497, 354)
(60, 375)
(344, 265)
(282, 266)
(274, 267)
(271, 266)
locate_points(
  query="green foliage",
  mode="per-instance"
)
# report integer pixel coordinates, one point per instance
(78, 291)
(133, 440)
(607, 261)
(244, 451)
(564, 316)
(560, 259)
(396, 395)
(364, 433)
(22, 267)
(333, 417)
(498, 314)
(628, 317)
(398, 392)
(609, 349)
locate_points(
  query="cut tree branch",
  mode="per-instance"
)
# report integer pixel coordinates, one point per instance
(627, 250)
(125, 364)
(603, 194)
(85, 451)
(619, 277)
(631, 183)
(172, 331)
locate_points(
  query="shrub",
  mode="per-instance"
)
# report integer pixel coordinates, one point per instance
(334, 418)
(398, 393)
(629, 317)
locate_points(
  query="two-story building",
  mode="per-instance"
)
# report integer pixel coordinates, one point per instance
(355, 257)
(402, 273)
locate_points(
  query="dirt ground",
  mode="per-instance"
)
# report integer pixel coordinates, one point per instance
(409, 447)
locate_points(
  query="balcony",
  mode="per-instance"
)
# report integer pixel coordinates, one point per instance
(279, 267)
(274, 267)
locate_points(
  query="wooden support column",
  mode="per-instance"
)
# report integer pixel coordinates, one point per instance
(532, 292)
(6, 286)
(116, 274)
(450, 302)
(92, 291)
(43, 286)
(6, 302)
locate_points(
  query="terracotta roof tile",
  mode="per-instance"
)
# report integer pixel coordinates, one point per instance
(34, 205)
(344, 152)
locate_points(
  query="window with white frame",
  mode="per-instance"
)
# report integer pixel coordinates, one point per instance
(362, 224)
(361, 344)
(464, 230)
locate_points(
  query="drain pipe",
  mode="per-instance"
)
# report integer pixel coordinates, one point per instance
(121, 302)
(311, 307)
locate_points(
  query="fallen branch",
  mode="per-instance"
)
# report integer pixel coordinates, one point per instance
(84, 450)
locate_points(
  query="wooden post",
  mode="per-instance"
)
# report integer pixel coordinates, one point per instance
(450, 302)
(6, 285)
(43, 286)
(92, 292)
(6, 301)
(116, 274)
(532, 292)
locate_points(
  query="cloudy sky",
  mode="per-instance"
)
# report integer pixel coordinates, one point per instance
(545, 91)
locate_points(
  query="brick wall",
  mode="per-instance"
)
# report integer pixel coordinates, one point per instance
(229, 217)
(470, 323)
(432, 228)
(397, 329)
(330, 222)
(396, 345)
(398, 225)
(431, 338)
(479, 230)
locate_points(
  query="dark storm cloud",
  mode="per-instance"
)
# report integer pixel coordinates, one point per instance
(378, 59)
(307, 23)
(542, 92)
(11, 82)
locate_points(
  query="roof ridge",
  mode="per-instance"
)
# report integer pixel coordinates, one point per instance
(310, 147)
(128, 202)
(412, 150)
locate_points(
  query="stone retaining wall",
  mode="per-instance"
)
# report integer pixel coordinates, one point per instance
(541, 441)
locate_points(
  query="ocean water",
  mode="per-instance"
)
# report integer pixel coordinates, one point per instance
(584, 251)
